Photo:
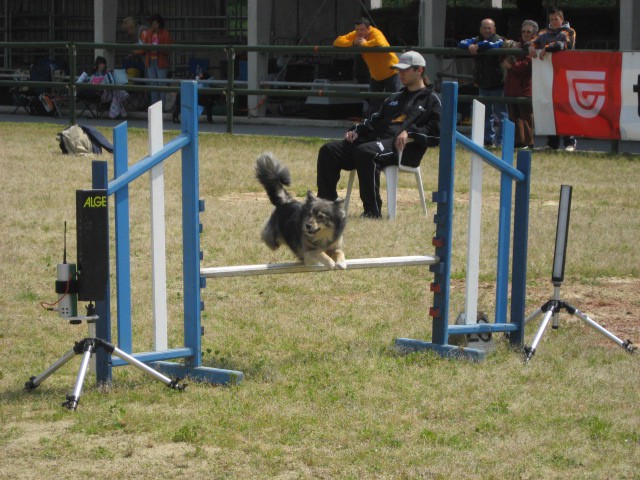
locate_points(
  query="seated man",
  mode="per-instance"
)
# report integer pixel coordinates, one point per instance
(412, 114)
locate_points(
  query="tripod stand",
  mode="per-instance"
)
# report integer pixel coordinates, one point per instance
(553, 307)
(87, 348)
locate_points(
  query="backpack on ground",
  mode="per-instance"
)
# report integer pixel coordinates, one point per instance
(82, 140)
(74, 141)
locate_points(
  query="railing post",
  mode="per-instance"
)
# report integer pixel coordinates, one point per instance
(231, 55)
(615, 147)
(72, 82)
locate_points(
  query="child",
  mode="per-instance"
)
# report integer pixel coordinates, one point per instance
(114, 97)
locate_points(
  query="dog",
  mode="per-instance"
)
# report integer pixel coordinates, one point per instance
(312, 230)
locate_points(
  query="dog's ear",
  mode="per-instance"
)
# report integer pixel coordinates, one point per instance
(310, 197)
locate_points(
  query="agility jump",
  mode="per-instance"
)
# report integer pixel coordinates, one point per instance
(195, 276)
(521, 176)
(187, 144)
(440, 263)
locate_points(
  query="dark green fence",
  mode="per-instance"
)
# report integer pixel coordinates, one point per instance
(230, 89)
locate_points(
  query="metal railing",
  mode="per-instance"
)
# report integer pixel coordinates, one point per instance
(229, 88)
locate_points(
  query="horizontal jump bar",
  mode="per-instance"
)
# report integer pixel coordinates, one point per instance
(299, 267)
(483, 328)
(146, 357)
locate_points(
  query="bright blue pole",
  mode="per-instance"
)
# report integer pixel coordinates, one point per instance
(191, 223)
(123, 246)
(520, 249)
(444, 213)
(504, 225)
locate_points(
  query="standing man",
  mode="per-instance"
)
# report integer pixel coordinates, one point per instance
(411, 115)
(489, 78)
(383, 77)
(558, 36)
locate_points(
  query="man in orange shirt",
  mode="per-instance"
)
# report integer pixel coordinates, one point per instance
(383, 77)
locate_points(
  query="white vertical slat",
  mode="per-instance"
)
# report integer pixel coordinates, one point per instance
(158, 249)
(542, 95)
(475, 216)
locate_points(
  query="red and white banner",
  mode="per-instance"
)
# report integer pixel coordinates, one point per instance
(590, 94)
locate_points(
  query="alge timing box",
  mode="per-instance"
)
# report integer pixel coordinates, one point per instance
(92, 225)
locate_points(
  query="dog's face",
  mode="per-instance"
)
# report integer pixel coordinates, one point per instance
(323, 219)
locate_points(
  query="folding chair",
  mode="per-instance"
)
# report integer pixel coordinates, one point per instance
(91, 101)
(38, 72)
(391, 174)
(19, 100)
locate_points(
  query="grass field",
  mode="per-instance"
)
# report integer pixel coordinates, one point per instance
(325, 394)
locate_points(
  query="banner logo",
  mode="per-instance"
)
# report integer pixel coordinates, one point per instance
(586, 92)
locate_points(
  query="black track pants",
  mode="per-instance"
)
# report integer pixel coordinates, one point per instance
(367, 158)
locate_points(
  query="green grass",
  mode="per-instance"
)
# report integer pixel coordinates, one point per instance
(325, 393)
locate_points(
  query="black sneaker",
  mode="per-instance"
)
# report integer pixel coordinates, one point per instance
(375, 216)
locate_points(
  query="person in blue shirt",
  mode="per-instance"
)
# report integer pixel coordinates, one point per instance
(488, 76)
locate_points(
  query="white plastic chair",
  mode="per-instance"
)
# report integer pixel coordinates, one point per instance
(391, 174)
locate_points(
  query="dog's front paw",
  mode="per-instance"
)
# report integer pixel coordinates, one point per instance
(341, 262)
(315, 257)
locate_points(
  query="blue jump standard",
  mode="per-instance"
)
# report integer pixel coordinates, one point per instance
(521, 176)
(190, 354)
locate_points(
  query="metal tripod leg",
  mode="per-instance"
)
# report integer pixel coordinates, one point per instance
(74, 397)
(87, 347)
(530, 351)
(145, 368)
(627, 345)
(34, 382)
(533, 316)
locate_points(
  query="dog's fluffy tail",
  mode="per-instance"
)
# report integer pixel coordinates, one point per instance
(273, 176)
